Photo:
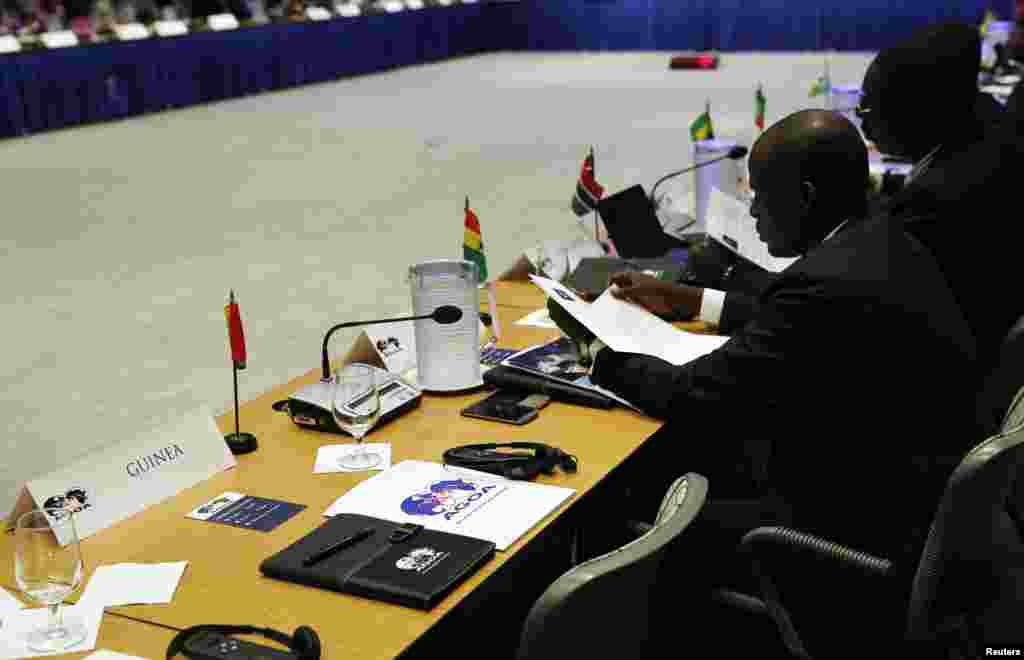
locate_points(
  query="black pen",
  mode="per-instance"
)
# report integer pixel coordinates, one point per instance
(346, 542)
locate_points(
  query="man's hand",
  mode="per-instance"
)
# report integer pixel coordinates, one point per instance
(657, 296)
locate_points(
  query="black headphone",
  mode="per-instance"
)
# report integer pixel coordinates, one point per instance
(304, 642)
(517, 465)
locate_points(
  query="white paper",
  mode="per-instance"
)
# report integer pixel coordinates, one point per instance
(133, 584)
(729, 223)
(131, 31)
(59, 39)
(18, 626)
(538, 319)
(104, 654)
(629, 328)
(452, 500)
(414, 4)
(1007, 79)
(125, 478)
(9, 44)
(328, 457)
(347, 9)
(170, 28)
(998, 90)
(393, 6)
(218, 22)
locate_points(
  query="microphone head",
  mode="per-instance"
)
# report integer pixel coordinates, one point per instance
(738, 152)
(447, 314)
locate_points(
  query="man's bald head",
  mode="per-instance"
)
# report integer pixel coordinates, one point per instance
(810, 172)
(940, 64)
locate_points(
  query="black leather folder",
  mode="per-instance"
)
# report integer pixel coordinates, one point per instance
(403, 564)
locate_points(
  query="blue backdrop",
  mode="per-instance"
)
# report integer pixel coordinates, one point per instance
(43, 90)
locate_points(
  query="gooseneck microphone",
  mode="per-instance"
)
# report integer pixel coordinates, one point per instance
(444, 314)
(734, 154)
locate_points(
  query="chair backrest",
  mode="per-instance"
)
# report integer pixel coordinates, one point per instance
(602, 605)
(970, 579)
(1002, 380)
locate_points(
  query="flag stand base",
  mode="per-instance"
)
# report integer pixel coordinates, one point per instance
(241, 443)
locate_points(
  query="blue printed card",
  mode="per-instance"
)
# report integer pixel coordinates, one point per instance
(246, 511)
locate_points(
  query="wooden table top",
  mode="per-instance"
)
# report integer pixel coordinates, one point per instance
(222, 583)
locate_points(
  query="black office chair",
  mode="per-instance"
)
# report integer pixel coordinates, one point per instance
(1003, 380)
(601, 607)
(969, 581)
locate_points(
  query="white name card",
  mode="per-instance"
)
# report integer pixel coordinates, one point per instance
(113, 483)
(170, 28)
(414, 4)
(131, 31)
(393, 6)
(317, 14)
(61, 39)
(219, 22)
(348, 9)
(9, 44)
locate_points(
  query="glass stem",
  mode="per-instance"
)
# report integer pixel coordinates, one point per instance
(55, 618)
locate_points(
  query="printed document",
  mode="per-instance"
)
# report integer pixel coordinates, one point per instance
(629, 328)
(449, 499)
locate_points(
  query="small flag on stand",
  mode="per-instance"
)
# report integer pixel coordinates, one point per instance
(473, 250)
(986, 23)
(236, 336)
(472, 243)
(759, 104)
(823, 84)
(588, 191)
(701, 128)
(238, 442)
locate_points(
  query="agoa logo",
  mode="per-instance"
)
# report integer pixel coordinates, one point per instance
(446, 498)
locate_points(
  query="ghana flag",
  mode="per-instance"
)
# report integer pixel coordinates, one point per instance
(472, 243)
(759, 104)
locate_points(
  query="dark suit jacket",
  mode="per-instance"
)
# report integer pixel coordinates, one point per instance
(851, 377)
(959, 208)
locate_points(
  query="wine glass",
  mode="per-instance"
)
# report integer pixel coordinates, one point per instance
(355, 404)
(47, 572)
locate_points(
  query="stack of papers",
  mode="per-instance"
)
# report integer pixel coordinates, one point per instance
(455, 500)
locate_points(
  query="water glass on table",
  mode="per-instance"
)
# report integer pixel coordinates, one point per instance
(47, 572)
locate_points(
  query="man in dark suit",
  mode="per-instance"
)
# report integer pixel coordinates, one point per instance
(964, 169)
(829, 396)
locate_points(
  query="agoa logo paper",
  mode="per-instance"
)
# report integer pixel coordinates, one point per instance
(453, 499)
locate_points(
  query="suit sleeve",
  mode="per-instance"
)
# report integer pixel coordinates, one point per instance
(753, 367)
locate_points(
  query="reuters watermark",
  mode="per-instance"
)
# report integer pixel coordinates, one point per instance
(1003, 652)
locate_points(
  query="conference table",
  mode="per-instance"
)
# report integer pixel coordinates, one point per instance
(223, 584)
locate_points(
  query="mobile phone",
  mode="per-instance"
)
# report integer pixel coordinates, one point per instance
(508, 407)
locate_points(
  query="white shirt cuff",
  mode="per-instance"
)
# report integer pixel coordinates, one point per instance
(595, 346)
(711, 306)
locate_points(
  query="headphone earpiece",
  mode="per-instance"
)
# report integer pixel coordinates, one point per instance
(306, 643)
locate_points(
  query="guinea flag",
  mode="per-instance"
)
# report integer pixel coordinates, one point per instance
(472, 243)
(236, 337)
